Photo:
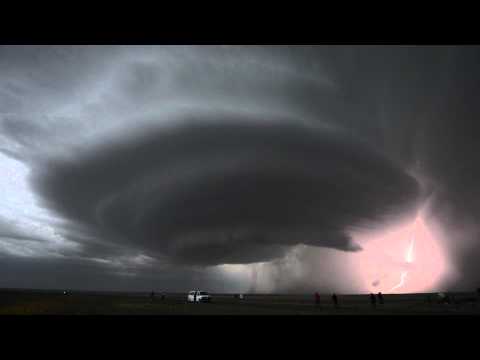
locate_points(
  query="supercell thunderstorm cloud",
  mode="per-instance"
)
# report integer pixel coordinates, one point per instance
(239, 168)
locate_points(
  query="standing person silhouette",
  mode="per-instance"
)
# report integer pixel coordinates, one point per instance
(380, 298)
(335, 300)
(373, 300)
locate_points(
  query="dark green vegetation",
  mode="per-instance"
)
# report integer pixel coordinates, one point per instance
(84, 303)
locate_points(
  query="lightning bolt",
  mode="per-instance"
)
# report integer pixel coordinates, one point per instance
(403, 275)
(408, 260)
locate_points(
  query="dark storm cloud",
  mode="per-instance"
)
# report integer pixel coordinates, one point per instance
(451, 157)
(85, 274)
(423, 107)
(10, 230)
(228, 189)
(36, 77)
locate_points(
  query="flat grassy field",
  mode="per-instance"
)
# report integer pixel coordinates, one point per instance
(31, 302)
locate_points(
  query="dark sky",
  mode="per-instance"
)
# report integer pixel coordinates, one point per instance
(231, 168)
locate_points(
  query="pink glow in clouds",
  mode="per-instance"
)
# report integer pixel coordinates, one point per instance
(404, 259)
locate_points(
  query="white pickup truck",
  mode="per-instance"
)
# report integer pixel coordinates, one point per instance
(198, 296)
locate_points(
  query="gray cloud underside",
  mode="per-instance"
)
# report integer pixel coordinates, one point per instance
(84, 274)
(224, 189)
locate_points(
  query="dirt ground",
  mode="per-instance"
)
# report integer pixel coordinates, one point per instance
(30, 302)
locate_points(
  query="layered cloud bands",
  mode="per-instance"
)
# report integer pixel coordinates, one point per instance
(222, 188)
(150, 160)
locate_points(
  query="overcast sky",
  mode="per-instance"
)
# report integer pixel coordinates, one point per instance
(236, 168)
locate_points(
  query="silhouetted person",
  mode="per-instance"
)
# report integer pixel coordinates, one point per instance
(429, 299)
(448, 299)
(335, 300)
(443, 298)
(195, 297)
(440, 298)
(373, 300)
(317, 298)
(380, 298)
(452, 299)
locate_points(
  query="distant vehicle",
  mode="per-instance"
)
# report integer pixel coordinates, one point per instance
(239, 296)
(199, 296)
